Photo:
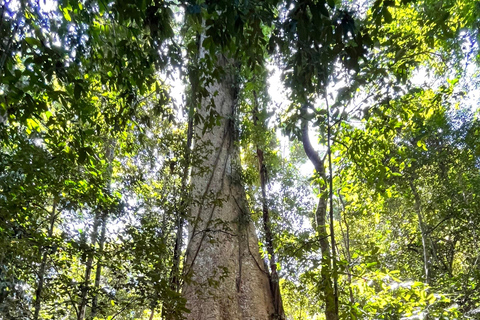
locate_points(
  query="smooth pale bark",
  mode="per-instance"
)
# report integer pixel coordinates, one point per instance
(226, 279)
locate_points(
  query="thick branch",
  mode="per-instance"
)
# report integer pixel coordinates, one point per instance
(310, 152)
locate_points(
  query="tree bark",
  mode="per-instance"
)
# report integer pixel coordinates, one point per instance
(320, 215)
(226, 279)
(43, 265)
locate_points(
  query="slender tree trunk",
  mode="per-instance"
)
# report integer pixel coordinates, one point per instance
(226, 279)
(168, 310)
(274, 279)
(451, 256)
(418, 209)
(330, 196)
(346, 241)
(98, 271)
(175, 274)
(43, 265)
(109, 153)
(88, 267)
(320, 215)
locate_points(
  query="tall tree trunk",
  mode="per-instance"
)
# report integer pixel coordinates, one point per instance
(168, 310)
(320, 215)
(274, 279)
(346, 243)
(418, 210)
(43, 265)
(110, 152)
(98, 271)
(88, 268)
(330, 196)
(226, 279)
(175, 274)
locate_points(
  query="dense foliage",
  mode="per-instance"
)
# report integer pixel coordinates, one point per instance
(95, 152)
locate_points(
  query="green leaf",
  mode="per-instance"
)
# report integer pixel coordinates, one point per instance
(66, 14)
(387, 15)
(33, 41)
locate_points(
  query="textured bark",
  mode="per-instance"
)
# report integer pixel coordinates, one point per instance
(225, 274)
(320, 215)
